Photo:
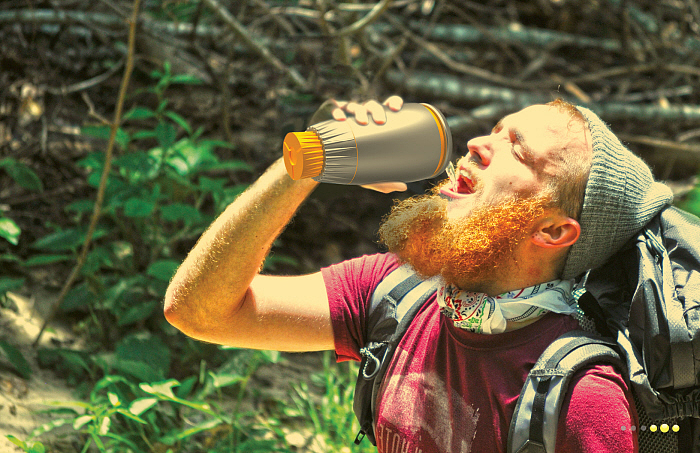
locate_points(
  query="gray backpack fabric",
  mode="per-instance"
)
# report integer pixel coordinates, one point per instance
(395, 302)
(533, 428)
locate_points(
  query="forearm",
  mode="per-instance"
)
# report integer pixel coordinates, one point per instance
(213, 280)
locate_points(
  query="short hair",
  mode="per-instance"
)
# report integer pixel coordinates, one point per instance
(568, 187)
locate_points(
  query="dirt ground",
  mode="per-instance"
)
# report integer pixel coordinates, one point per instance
(22, 400)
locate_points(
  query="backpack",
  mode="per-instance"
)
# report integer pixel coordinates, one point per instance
(395, 302)
(641, 312)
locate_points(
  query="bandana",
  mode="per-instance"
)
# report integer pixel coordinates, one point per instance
(480, 313)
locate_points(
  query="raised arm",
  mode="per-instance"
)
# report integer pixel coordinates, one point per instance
(217, 294)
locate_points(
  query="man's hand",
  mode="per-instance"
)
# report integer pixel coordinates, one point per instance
(361, 112)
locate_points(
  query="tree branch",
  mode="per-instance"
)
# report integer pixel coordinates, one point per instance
(243, 34)
(105, 173)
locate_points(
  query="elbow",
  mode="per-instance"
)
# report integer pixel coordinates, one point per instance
(195, 314)
(176, 307)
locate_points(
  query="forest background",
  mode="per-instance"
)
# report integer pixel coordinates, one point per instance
(127, 126)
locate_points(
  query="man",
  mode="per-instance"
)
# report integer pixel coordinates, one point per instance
(549, 194)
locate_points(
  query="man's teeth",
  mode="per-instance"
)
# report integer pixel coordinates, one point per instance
(451, 173)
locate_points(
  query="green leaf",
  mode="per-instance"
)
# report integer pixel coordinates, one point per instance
(165, 134)
(22, 174)
(8, 284)
(691, 201)
(138, 369)
(78, 298)
(179, 120)
(81, 206)
(98, 258)
(225, 380)
(65, 240)
(42, 260)
(164, 388)
(71, 361)
(185, 79)
(146, 350)
(138, 207)
(186, 386)
(103, 132)
(61, 240)
(139, 113)
(118, 291)
(82, 421)
(141, 135)
(137, 165)
(131, 416)
(113, 399)
(180, 211)
(237, 165)
(48, 427)
(16, 359)
(20, 443)
(14, 440)
(216, 144)
(163, 269)
(137, 313)
(9, 230)
(204, 426)
(105, 423)
(35, 447)
(10, 258)
(162, 105)
(141, 405)
(213, 185)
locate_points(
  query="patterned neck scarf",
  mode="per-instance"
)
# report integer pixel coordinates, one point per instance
(480, 313)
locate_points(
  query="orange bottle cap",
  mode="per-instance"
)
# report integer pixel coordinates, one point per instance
(303, 154)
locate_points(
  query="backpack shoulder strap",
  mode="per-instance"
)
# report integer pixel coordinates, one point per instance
(395, 302)
(533, 428)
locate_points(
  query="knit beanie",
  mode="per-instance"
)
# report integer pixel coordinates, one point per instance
(621, 197)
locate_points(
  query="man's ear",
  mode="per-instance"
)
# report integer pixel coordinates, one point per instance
(559, 231)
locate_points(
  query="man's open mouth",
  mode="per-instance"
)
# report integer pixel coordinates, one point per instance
(460, 185)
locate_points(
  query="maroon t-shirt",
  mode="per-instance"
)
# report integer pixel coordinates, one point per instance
(448, 390)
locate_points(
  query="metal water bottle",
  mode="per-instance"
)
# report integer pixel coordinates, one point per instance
(415, 143)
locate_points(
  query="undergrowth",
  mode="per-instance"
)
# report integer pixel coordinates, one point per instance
(141, 385)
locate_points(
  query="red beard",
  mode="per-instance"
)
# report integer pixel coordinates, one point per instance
(466, 252)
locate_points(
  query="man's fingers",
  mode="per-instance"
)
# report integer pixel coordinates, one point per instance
(338, 111)
(338, 115)
(362, 112)
(377, 111)
(394, 103)
(359, 111)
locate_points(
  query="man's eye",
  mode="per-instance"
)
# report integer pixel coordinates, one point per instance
(517, 151)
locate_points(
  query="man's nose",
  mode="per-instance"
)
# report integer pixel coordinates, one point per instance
(480, 150)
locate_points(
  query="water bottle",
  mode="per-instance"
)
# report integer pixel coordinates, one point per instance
(414, 144)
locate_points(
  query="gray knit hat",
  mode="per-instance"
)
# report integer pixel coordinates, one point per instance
(621, 197)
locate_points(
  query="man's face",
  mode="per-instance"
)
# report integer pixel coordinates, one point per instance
(523, 151)
(468, 231)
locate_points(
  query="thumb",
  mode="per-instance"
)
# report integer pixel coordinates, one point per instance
(387, 187)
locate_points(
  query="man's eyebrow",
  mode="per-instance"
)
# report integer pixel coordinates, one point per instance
(497, 127)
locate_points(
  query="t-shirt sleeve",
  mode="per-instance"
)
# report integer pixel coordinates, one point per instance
(350, 285)
(598, 414)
